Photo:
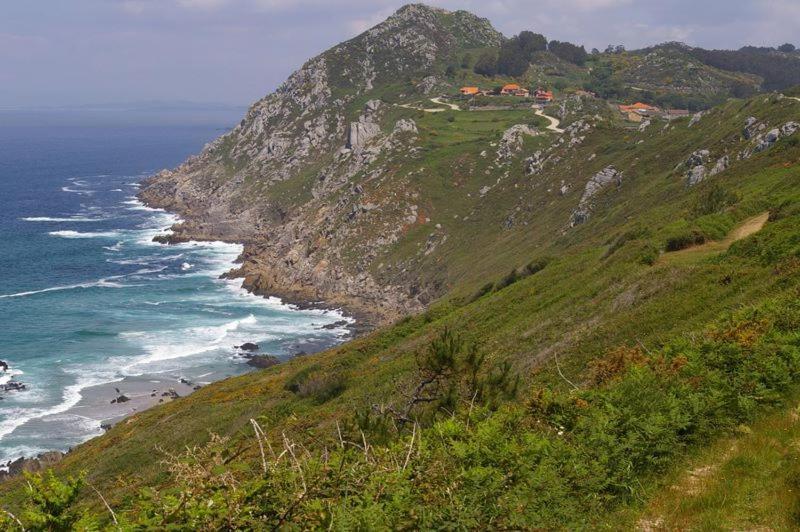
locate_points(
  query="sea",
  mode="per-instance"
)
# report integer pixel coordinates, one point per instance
(87, 298)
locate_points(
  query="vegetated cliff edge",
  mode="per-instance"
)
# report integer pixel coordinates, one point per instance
(287, 182)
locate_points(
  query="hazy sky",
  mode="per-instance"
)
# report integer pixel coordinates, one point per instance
(64, 52)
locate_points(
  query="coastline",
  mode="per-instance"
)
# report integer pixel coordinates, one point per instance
(105, 404)
(363, 317)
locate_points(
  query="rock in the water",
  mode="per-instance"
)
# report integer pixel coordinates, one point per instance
(247, 346)
(262, 361)
(3, 365)
(335, 325)
(121, 399)
(12, 386)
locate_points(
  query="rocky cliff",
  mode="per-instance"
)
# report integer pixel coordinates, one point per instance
(287, 181)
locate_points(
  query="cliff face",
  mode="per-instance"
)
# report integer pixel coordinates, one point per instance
(286, 180)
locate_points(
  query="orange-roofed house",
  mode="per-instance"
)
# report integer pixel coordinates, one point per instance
(543, 96)
(638, 107)
(510, 89)
(469, 91)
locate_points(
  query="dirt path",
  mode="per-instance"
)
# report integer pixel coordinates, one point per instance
(745, 229)
(554, 122)
(439, 101)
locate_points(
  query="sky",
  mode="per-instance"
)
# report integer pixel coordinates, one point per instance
(81, 52)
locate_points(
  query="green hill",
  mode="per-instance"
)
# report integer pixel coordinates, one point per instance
(566, 316)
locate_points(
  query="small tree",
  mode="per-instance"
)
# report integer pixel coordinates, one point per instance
(51, 503)
(486, 65)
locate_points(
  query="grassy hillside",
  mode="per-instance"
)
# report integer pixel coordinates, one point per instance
(553, 302)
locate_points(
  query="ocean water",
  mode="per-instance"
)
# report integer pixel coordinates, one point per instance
(87, 298)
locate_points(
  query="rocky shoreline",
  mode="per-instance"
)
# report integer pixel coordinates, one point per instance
(195, 227)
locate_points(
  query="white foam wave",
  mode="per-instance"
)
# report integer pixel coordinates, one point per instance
(137, 205)
(65, 219)
(77, 234)
(161, 346)
(71, 396)
(82, 192)
(8, 376)
(102, 283)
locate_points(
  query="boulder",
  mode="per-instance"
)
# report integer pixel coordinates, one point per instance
(696, 167)
(262, 361)
(695, 175)
(360, 133)
(32, 465)
(767, 140)
(405, 125)
(12, 386)
(598, 182)
(247, 346)
(121, 399)
(750, 125)
(721, 165)
(789, 128)
(3, 365)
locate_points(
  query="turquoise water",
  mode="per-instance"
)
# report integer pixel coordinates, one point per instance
(87, 298)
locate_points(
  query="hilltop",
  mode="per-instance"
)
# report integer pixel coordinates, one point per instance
(567, 302)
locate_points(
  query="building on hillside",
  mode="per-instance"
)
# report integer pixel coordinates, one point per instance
(676, 113)
(640, 108)
(510, 89)
(633, 116)
(469, 91)
(543, 96)
(522, 93)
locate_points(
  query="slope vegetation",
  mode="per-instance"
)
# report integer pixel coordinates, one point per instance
(568, 314)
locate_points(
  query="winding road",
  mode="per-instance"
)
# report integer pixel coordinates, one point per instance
(552, 126)
(554, 122)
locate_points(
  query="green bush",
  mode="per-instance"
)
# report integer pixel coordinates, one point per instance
(684, 240)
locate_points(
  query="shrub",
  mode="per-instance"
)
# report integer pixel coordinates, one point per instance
(714, 200)
(684, 240)
(482, 291)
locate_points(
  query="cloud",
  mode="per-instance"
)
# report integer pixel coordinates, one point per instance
(202, 4)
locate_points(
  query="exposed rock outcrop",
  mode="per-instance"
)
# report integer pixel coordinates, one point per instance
(602, 179)
(31, 465)
(314, 239)
(512, 141)
(696, 167)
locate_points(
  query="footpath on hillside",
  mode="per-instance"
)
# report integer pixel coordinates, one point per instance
(743, 230)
